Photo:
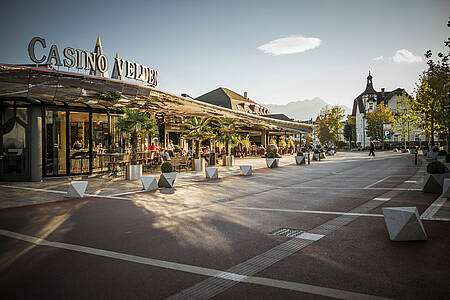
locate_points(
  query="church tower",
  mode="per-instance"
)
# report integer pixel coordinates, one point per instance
(369, 95)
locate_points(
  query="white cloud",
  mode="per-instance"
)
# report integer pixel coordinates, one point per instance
(290, 45)
(378, 57)
(405, 56)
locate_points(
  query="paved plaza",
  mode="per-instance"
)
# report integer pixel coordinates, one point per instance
(295, 232)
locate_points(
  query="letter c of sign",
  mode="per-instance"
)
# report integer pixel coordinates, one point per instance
(31, 49)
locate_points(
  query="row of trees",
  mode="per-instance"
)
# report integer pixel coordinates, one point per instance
(137, 124)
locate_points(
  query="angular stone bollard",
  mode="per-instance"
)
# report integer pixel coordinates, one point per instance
(272, 162)
(149, 183)
(432, 183)
(403, 224)
(299, 160)
(167, 180)
(246, 170)
(446, 189)
(77, 189)
(212, 173)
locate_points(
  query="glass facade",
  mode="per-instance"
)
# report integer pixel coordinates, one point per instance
(75, 142)
(14, 142)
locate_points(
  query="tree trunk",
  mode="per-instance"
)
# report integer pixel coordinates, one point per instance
(227, 148)
(134, 146)
(432, 131)
(197, 149)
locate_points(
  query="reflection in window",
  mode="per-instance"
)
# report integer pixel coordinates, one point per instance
(55, 143)
(79, 142)
(100, 142)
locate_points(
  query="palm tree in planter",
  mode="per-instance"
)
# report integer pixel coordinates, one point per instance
(197, 129)
(135, 124)
(226, 133)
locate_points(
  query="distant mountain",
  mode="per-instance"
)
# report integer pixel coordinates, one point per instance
(302, 110)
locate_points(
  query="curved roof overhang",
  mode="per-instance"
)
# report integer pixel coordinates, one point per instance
(62, 88)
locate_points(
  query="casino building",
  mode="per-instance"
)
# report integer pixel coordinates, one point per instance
(56, 123)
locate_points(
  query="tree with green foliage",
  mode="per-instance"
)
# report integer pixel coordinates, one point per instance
(405, 118)
(198, 129)
(429, 106)
(226, 132)
(350, 130)
(135, 124)
(330, 123)
(382, 114)
(433, 93)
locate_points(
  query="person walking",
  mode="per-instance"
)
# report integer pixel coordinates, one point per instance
(371, 149)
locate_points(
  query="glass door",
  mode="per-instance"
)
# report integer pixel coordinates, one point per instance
(55, 143)
(79, 133)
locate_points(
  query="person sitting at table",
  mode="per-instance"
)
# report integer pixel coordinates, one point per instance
(165, 155)
(118, 148)
(77, 145)
(153, 147)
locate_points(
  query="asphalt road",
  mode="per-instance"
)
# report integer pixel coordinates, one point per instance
(214, 239)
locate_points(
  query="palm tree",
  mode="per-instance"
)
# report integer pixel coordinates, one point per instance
(226, 132)
(135, 124)
(197, 129)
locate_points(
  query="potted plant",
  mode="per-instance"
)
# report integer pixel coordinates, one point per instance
(434, 178)
(197, 129)
(135, 124)
(167, 178)
(226, 133)
(316, 154)
(300, 158)
(271, 160)
(434, 153)
(322, 153)
(441, 155)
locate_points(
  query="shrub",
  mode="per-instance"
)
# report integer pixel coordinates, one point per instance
(436, 167)
(447, 158)
(270, 155)
(166, 167)
(435, 149)
(442, 153)
(300, 153)
(176, 149)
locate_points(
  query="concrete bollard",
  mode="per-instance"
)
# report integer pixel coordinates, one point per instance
(77, 189)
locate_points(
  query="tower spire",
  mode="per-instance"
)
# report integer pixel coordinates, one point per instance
(369, 85)
(99, 51)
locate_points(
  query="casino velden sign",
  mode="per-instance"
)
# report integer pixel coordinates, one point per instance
(95, 62)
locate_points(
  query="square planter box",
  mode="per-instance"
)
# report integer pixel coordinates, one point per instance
(167, 180)
(134, 172)
(316, 156)
(228, 160)
(300, 160)
(272, 162)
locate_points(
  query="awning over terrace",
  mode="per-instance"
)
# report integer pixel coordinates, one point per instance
(69, 89)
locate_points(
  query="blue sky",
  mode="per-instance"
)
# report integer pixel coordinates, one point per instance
(197, 46)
